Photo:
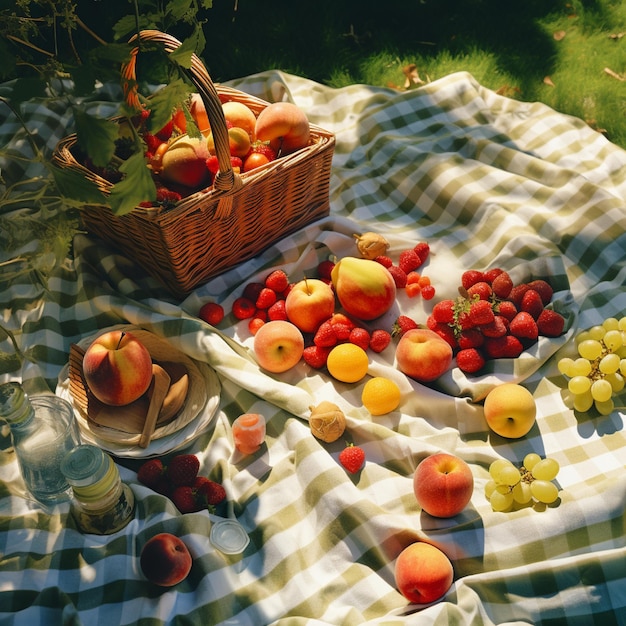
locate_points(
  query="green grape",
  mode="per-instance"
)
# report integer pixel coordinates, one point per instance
(583, 335)
(596, 332)
(544, 491)
(590, 349)
(579, 385)
(609, 364)
(496, 467)
(522, 493)
(530, 460)
(616, 380)
(508, 476)
(621, 323)
(605, 408)
(546, 469)
(581, 367)
(490, 487)
(565, 366)
(610, 323)
(622, 367)
(501, 501)
(601, 390)
(613, 340)
(583, 402)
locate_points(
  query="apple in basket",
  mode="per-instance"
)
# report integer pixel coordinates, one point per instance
(117, 368)
(285, 126)
(423, 355)
(309, 302)
(365, 288)
(184, 162)
(165, 560)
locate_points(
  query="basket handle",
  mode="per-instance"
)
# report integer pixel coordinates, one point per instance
(226, 181)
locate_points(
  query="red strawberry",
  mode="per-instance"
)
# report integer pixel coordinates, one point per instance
(517, 293)
(550, 323)
(341, 318)
(277, 311)
(490, 275)
(265, 149)
(324, 269)
(243, 308)
(402, 324)
(428, 292)
(184, 497)
(151, 473)
(443, 311)
(502, 285)
(544, 290)
(506, 309)
(497, 328)
(325, 335)
(384, 260)
(183, 469)
(212, 164)
(481, 313)
(470, 360)
(211, 493)
(379, 340)
(531, 303)
(523, 326)
(352, 458)
(266, 298)
(252, 290)
(166, 132)
(212, 313)
(398, 275)
(360, 337)
(342, 330)
(423, 250)
(315, 356)
(445, 332)
(254, 324)
(409, 261)
(277, 281)
(470, 338)
(481, 289)
(506, 346)
(471, 277)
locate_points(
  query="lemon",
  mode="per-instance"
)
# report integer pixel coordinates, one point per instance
(347, 363)
(380, 395)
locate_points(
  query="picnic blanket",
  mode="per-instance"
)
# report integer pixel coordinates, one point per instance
(488, 182)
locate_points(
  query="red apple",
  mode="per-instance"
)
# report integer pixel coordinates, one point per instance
(117, 368)
(184, 162)
(285, 126)
(443, 484)
(165, 560)
(365, 288)
(422, 354)
(309, 303)
(278, 346)
(423, 573)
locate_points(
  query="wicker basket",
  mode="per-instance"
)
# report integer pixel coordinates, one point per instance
(217, 228)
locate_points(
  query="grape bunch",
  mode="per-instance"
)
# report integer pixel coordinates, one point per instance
(598, 373)
(509, 486)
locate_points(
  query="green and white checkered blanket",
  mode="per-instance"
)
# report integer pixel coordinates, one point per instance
(486, 181)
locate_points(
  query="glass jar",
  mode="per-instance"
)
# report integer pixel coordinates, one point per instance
(43, 431)
(102, 503)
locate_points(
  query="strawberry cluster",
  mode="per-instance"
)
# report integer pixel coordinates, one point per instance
(405, 274)
(493, 318)
(180, 482)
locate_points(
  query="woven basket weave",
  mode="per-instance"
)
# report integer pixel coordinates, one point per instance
(217, 228)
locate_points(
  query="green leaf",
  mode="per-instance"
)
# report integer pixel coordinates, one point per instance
(137, 186)
(163, 103)
(193, 44)
(74, 186)
(178, 8)
(96, 136)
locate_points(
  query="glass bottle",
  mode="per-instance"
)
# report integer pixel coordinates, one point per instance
(43, 431)
(102, 503)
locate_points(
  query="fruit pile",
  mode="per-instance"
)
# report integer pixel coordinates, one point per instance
(493, 318)
(532, 483)
(598, 372)
(180, 482)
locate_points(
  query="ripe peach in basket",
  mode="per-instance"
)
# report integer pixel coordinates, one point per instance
(285, 126)
(249, 432)
(184, 162)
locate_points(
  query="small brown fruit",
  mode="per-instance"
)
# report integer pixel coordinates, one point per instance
(327, 421)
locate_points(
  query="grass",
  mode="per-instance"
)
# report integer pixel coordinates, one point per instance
(554, 51)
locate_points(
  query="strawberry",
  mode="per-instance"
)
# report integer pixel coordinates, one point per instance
(315, 356)
(490, 275)
(409, 261)
(165, 195)
(360, 337)
(422, 250)
(428, 292)
(506, 309)
(384, 260)
(183, 469)
(443, 311)
(184, 498)
(325, 335)
(470, 360)
(481, 313)
(152, 142)
(324, 269)
(398, 275)
(212, 164)
(342, 330)
(265, 149)
(544, 290)
(506, 346)
(446, 332)
(254, 324)
(277, 280)
(243, 308)
(379, 340)
(550, 323)
(277, 311)
(402, 324)
(151, 473)
(212, 313)
(266, 298)
(166, 132)
(497, 328)
(471, 277)
(352, 458)
(252, 290)
(523, 326)
(481, 289)
(517, 293)
(531, 303)
(341, 318)
(470, 338)
(210, 492)
(502, 285)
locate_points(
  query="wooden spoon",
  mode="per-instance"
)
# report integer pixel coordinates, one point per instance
(161, 385)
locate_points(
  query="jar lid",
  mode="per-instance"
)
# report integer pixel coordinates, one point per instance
(229, 536)
(85, 465)
(14, 404)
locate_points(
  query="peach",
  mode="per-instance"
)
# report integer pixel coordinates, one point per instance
(239, 115)
(510, 410)
(184, 163)
(423, 573)
(309, 302)
(249, 432)
(443, 484)
(285, 126)
(117, 368)
(165, 560)
(365, 288)
(422, 354)
(278, 346)
(198, 112)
